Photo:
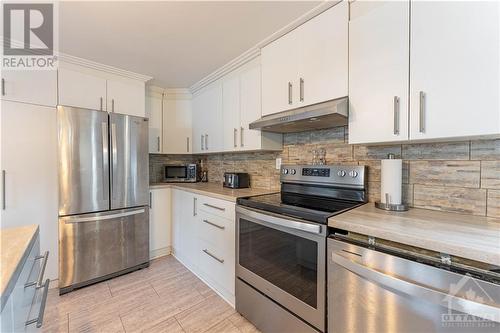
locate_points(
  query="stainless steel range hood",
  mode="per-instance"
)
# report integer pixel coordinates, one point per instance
(317, 116)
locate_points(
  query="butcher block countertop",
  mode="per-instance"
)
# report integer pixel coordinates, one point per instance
(214, 190)
(471, 237)
(14, 248)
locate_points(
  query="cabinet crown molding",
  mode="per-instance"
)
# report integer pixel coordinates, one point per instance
(101, 67)
(254, 52)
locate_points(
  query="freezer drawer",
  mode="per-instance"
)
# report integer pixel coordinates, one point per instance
(95, 246)
(372, 291)
(129, 161)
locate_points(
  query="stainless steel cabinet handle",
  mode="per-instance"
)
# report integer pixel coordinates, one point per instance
(422, 113)
(396, 115)
(100, 104)
(39, 320)
(206, 141)
(195, 210)
(241, 137)
(39, 280)
(214, 224)
(104, 131)
(235, 132)
(4, 199)
(187, 144)
(158, 143)
(76, 219)
(113, 105)
(290, 101)
(150, 199)
(431, 295)
(202, 140)
(214, 207)
(3, 87)
(301, 89)
(211, 255)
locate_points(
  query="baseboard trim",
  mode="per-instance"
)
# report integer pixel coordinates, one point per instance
(164, 251)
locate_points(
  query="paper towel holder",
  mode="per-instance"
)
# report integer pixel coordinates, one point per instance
(391, 207)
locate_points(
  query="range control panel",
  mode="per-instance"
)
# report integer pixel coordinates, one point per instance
(342, 175)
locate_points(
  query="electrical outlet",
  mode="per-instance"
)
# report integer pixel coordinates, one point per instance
(278, 163)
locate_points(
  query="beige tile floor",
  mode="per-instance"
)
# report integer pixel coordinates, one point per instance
(166, 297)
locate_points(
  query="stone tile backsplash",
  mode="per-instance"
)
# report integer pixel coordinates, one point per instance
(456, 176)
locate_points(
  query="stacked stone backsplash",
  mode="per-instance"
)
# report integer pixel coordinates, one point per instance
(459, 177)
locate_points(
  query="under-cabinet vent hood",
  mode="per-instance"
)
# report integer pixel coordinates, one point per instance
(317, 116)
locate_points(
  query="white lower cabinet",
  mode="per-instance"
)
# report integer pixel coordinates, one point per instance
(160, 222)
(204, 239)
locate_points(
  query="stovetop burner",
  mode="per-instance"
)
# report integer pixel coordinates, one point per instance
(313, 193)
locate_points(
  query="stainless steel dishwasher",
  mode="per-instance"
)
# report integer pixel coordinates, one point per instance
(389, 287)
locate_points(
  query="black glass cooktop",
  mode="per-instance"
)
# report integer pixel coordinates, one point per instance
(310, 208)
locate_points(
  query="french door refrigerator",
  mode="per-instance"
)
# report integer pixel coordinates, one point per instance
(103, 195)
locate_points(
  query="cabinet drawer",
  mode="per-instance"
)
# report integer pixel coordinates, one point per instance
(216, 230)
(217, 266)
(217, 207)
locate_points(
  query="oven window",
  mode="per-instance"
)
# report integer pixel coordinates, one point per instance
(287, 261)
(175, 172)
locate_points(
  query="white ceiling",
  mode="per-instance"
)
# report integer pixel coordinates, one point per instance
(177, 43)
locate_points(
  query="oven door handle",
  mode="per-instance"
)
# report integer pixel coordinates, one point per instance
(289, 224)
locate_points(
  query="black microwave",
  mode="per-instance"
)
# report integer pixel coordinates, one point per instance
(185, 173)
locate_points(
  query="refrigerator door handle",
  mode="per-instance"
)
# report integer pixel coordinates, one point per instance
(416, 290)
(105, 156)
(114, 157)
(79, 219)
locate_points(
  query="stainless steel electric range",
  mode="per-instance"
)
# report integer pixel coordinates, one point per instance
(281, 246)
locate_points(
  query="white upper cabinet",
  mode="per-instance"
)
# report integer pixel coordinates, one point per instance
(155, 114)
(309, 64)
(177, 134)
(279, 71)
(81, 89)
(126, 96)
(231, 111)
(207, 119)
(455, 73)
(378, 71)
(30, 86)
(323, 63)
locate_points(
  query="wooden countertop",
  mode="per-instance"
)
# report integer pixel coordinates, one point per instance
(14, 248)
(214, 190)
(472, 237)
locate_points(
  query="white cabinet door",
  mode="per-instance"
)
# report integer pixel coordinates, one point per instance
(198, 124)
(231, 111)
(208, 125)
(250, 107)
(177, 126)
(323, 63)
(455, 73)
(378, 71)
(185, 240)
(155, 114)
(29, 160)
(80, 89)
(279, 72)
(160, 224)
(126, 96)
(30, 86)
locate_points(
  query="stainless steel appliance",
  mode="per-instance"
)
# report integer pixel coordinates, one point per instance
(317, 116)
(103, 195)
(281, 246)
(181, 173)
(393, 288)
(236, 180)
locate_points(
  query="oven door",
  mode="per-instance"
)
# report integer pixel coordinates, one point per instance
(283, 258)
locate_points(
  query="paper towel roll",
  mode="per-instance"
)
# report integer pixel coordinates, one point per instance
(391, 180)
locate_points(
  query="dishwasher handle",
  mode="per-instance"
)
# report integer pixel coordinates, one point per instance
(399, 285)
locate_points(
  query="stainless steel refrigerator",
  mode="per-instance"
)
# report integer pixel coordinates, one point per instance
(103, 195)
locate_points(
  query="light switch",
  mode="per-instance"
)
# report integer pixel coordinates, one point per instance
(278, 163)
